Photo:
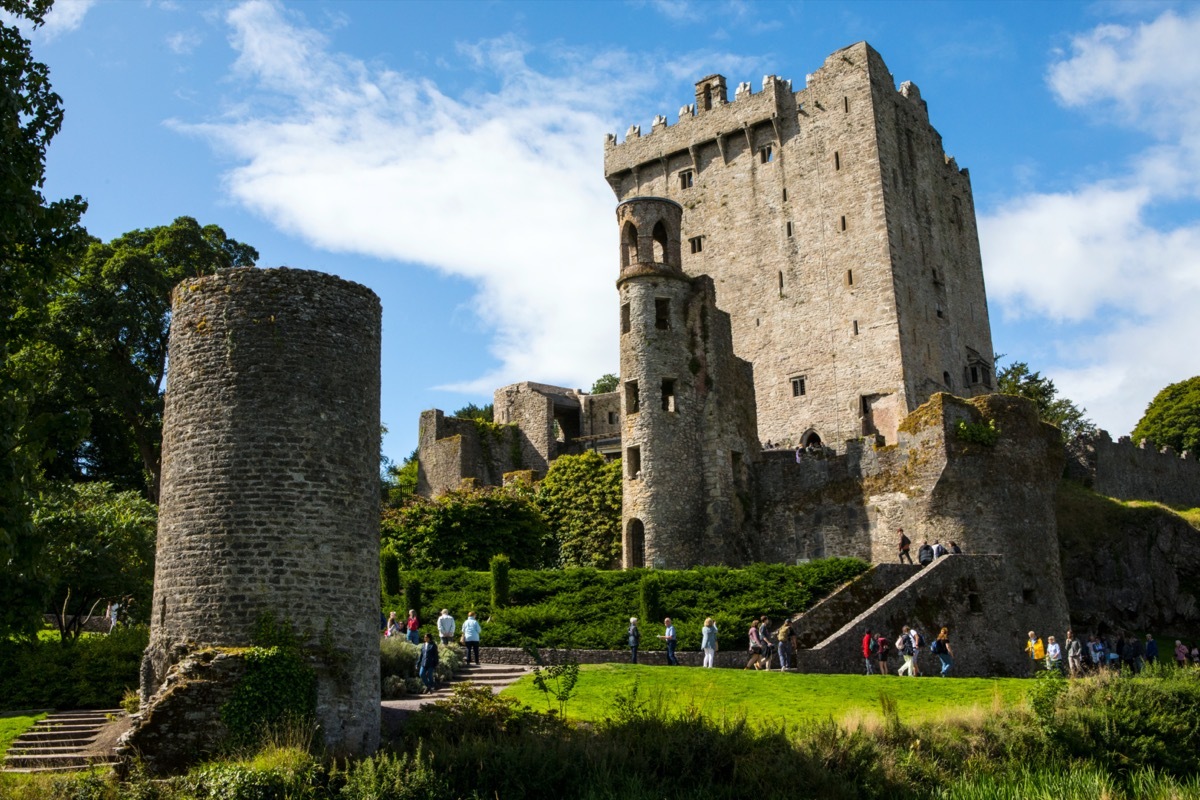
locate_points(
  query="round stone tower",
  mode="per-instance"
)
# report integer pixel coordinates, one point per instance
(662, 489)
(269, 501)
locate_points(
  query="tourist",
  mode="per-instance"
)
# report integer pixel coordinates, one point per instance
(904, 645)
(393, 625)
(470, 636)
(1074, 655)
(955, 549)
(414, 627)
(1096, 649)
(754, 648)
(905, 546)
(1196, 654)
(797, 455)
(918, 642)
(938, 549)
(708, 641)
(111, 613)
(1035, 650)
(668, 636)
(1151, 649)
(783, 638)
(925, 554)
(941, 648)
(1181, 653)
(869, 651)
(883, 650)
(1053, 655)
(446, 626)
(427, 663)
(635, 638)
(767, 640)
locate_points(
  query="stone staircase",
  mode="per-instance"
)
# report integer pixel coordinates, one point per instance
(65, 741)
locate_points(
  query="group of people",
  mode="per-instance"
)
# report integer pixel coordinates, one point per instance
(927, 553)
(446, 626)
(1074, 657)
(708, 641)
(878, 649)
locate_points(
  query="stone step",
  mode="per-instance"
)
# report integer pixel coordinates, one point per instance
(46, 750)
(35, 760)
(54, 736)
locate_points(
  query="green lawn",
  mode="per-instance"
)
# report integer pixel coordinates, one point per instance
(12, 726)
(770, 698)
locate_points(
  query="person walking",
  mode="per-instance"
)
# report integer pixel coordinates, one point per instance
(767, 640)
(783, 642)
(635, 637)
(755, 648)
(904, 644)
(869, 652)
(414, 627)
(941, 648)
(470, 637)
(1181, 653)
(1074, 655)
(446, 626)
(905, 545)
(918, 643)
(882, 649)
(427, 663)
(393, 625)
(1035, 650)
(708, 641)
(668, 636)
(1053, 655)
(1151, 649)
(925, 554)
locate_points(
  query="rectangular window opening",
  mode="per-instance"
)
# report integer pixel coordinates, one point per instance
(785, 194)
(843, 222)
(612, 418)
(697, 243)
(662, 313)
(974, 603)
(856, 327)
(686, 179)
(846, 104)
(633, 462)
(799, 389)
(974, 374)
(849, 277)
(780, 286)
(625, 324)
(631, 397)
(668, 394)
(789, 230)
(766, 154)
(940, 313)
(837, 160)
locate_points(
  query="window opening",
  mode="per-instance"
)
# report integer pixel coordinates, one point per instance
(785, 194)
(946, 379)
(856, 327)
(708, 98)
(766, 154)
(612, 418)
(625, 323)
(849, 277)
(799, 387)
(662, 313)
(633, 459)
(940, 314)
(697, 243)
(789, 230)
(629, 245)
(837, 160)
(974, 374)
(668, 394)
(974, 603)
(635, 542)
(846, 104)
(631, 397)
(843, 222)
(660, 243)
(781, 283)
(686, 179)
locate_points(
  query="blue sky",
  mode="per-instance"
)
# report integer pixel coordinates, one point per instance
(449, 156)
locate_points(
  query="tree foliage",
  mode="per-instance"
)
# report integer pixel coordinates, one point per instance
(581, 501)
(606, 383)
(1173, 417)
(466, 527)
(1017, 379)
(99, 548)
(472, 411)
(36, 239)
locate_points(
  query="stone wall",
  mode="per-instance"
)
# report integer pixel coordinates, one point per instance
(830, 614)
(452, 450)
(1127, 471)
(270, 489)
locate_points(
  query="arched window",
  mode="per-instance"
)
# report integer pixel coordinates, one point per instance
(660, 243)
(946, 379)
(811, 439)
(635, 544)
(629, 244)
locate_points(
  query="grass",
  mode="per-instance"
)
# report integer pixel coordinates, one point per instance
(13, 725)
(770, 700)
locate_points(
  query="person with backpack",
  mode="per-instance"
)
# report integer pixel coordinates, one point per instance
(784, 645)
(941, 648)
(925, 554)
(635, 637)
(756, 648)
(904, 644)
(918, 643)
(868, 651)
(883, 650)
(905, 546)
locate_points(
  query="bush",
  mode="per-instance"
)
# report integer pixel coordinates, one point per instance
(499, 565)
(277, 688)
(398, 663)
(412, 595)
(394, 777)
(390, 565)
(93, 671)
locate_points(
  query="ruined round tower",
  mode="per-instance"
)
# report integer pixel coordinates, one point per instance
(269, 502)
(663, 483)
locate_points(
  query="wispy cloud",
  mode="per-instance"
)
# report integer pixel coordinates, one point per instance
(184, 42)
(1101, 256)
(64, 17)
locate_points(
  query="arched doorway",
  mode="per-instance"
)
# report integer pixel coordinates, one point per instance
(635, 544)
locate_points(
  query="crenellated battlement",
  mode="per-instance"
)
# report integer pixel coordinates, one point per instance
(1135, 471)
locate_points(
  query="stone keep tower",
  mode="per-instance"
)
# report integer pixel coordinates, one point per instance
(686, 402)
(270, 498)
(840, 238)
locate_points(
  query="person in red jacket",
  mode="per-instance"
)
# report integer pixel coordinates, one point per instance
(869, 657)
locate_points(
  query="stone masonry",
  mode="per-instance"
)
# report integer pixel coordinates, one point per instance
(270, 498)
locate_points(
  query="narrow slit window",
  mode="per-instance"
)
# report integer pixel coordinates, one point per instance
(697, 244)
(631, 397)
(974, 374)
(837, 160)
(785, 194)
(687, 179)
(843, 222)
(781, 283)
(856, 327)
(940, 313)
(662, 313)
(849, 277)
(846, 104)
(625, 323)
(799, 388)
(633, 460)
(766, 154)
(789, 230)
(946, 380)
(668, 394)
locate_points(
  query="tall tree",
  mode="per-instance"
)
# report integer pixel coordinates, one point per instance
(606, 383)
(580, 498)
(1173, 417)
(472, 411)
(110, 322)
(1060, 412)
(35, 237)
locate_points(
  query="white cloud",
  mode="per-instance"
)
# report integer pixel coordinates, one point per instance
(504, 189)
(1100, 257)
(64, 17)
(184, 42)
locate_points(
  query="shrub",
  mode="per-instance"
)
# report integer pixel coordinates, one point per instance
(277, 688)
(93, 671)
(412, 595)
(391, 573)
(394, 777)
(499, 567)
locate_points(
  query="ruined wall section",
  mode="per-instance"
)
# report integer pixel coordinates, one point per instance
(452, 450)
(270, 485)
(1127, 471)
